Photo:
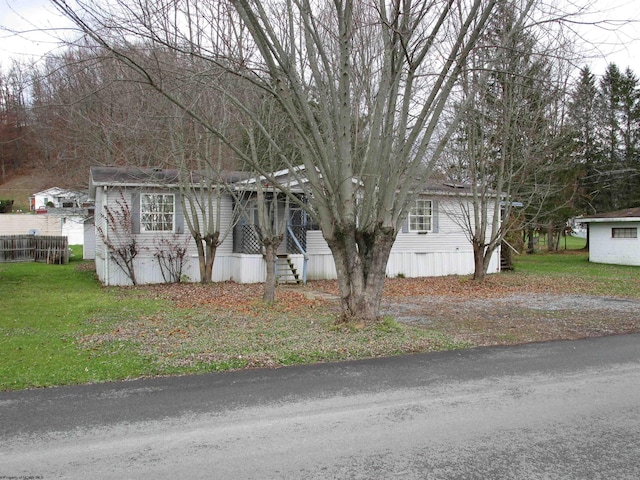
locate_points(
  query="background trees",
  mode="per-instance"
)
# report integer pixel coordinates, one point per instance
(15, 137)
(363, 84)
(508, 149)
(604, 121)
(364, 90)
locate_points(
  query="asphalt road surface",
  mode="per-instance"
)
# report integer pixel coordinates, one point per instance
(561, 410)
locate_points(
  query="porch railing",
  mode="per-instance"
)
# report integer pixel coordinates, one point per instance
(294, 233)
(248, 239)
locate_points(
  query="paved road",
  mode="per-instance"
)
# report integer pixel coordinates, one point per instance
(562, 410)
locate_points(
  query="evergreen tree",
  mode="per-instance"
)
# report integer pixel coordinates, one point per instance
(507, 146)
(607, 169)
(629, 193)
(604, 118)
(582, 124)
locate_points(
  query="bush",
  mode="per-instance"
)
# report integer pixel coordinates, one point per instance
(6, 206)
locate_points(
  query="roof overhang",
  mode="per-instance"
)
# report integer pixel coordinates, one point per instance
(608, 220)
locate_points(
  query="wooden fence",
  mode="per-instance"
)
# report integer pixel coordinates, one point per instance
(34, 248)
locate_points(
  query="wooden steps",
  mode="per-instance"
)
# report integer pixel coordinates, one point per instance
(286, 271)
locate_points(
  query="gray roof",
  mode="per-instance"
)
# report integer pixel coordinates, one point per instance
(629, 214)
(133, 176)
(159, 177)
(147, 177)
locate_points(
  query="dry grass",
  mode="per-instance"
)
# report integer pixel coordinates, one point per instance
(225, 325)
(61, 327)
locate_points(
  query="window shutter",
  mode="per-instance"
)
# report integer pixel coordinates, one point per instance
(135, 212)
(179, 212)
(405, 225)
(435, 216)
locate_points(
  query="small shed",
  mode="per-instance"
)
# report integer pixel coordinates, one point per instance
(613, 237)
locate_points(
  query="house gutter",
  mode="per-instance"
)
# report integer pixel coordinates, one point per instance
(608, 220)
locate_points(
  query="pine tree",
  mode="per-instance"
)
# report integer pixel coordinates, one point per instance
(582, 123)
(629, 194)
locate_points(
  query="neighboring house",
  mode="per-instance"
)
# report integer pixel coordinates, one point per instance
(613, 237)
(67, 207)
(431, 242)
(56, 197)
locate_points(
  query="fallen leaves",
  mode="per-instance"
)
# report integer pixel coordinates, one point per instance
(223, 326)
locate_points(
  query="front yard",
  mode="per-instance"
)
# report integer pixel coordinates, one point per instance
(59, 326)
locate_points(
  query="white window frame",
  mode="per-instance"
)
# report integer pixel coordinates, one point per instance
(624, 232)
(417, 218)
(157, 212)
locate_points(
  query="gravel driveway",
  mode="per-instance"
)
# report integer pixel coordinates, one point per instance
(520, 317)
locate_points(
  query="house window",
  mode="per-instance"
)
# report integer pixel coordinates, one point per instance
(157, 212)
(421, 216)
(624, 233)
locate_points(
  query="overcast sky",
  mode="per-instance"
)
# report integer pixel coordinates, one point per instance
(40, 22)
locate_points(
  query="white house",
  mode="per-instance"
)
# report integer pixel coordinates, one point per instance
(55, 197)
(431, 243)
(613, 237)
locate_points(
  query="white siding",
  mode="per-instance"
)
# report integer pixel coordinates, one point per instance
(73, 229)
(100, 250)
(316, 243)
(444, 252)
(321, 267)
(22, 223)
(447, 251)
(618, 251)
(89, 244)
(147, 268)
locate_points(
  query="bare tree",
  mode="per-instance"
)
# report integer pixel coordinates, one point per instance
(203, 194)
(86, 110)
(14, 128)
(116, 231)
(271, 216)
(363, 84)
(509, 148)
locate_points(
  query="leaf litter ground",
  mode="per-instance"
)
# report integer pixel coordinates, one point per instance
(226, 326)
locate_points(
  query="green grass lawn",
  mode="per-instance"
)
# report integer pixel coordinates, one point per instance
(44, 310)
(59, 326)
(572, 268)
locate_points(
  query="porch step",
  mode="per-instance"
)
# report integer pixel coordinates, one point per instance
(506, 258)
(286, 271)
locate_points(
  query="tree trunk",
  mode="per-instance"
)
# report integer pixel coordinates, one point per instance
(212, 247)
(207, 247)
(551, 231)
(270, 253)
(479, 268)
(531, 247)
(361, 266)
(212, 242)
(201, 259)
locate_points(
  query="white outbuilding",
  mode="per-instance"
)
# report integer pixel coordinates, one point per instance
(613, 237)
